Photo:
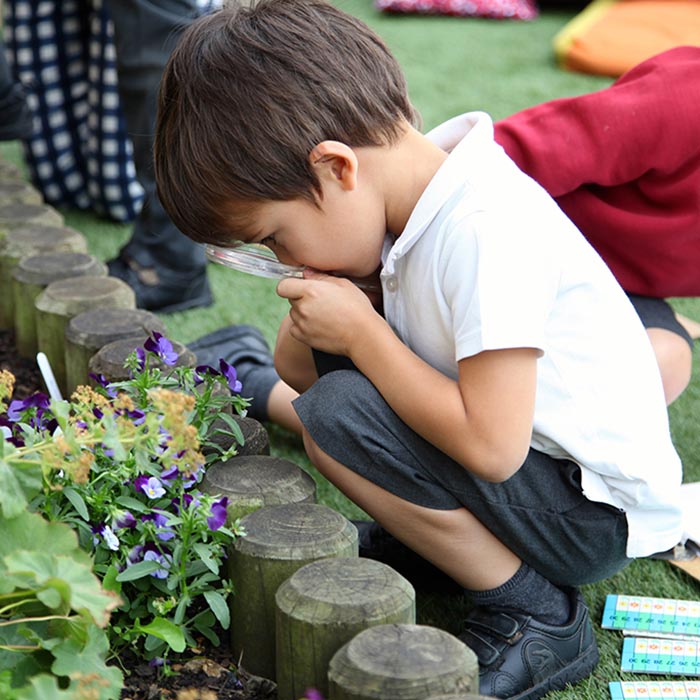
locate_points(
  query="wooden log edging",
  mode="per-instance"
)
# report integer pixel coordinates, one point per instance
(278, 541)
(110, 358)
(31, 276)
(323, 606)
(256, 440)
(64, 299)
(401, 662)
(253, 481)
(91, 330)
(24, 242)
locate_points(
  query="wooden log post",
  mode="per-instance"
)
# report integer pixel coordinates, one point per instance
(27, 241)
(402, 662)
(279, 540)
(87, 332)
(323, 606)
(19, 191)
(253, 481)
(256, 440)
(17, 214)
(31, 276)
(110, 358)
(64, 299)
(9, 172)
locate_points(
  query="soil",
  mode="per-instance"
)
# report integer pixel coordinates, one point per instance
(204, 673)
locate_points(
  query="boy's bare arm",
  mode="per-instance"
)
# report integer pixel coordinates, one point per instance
(294, 360)
(483, 421)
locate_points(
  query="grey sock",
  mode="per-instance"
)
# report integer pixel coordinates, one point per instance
(530, 593)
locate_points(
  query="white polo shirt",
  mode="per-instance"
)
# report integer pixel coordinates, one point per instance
(488, 261)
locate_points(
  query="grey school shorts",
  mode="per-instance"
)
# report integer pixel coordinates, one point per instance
(540, 513)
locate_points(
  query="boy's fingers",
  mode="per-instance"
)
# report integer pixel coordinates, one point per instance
(290, 288)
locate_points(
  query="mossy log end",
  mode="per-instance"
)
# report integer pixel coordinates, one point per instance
(254, 481)
(110, 358)
(256, 440)
(87, 332)
(64, 299)
(279, 540)
(31, 276)
(23, 242)
(402, 662)
(323, 606)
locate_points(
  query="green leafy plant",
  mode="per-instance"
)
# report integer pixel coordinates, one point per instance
(121, 465)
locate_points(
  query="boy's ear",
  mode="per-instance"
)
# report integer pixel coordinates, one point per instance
(336, 160)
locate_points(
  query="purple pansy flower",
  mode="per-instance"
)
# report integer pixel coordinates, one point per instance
(19, 406)
(312, 694)
(151, 555)
(150, 552)
(141, 359)
(124, 520)
(161, 346)
(218, 514)
(101, 380)
(229, 372)
(107, 534)
(187, 500)
(150, 485)
(160, 520)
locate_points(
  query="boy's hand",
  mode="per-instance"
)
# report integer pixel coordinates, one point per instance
(327, 313)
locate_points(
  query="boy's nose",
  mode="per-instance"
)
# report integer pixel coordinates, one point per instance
(284, 257)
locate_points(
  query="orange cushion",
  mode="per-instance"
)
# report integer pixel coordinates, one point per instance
(611, 36)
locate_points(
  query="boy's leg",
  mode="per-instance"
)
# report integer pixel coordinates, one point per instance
(359, 444)
(671, 341)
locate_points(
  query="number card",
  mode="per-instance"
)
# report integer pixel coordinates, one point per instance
(651, 690)
(663, 617)
(667, 656)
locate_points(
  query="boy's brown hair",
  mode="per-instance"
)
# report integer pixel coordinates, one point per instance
(248, 93)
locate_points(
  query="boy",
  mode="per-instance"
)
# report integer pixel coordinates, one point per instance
(488, 421)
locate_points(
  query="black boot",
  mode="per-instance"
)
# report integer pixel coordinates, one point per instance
(15, 117)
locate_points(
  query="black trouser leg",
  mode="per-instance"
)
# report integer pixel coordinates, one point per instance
(146, 32)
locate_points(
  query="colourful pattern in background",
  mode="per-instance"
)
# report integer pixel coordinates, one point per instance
(678, 657)
(651, 690)
(637, 615)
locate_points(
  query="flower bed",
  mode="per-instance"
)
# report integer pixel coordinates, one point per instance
(119, 465)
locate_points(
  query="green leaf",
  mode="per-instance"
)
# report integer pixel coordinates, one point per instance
(72, 580)
(234, 427)
(76, 500)
(205, 556)
(44, 687)
(13, 500)
(163, 629)
(219, 607)
(132, 504)
(85, 665)
(136, 571)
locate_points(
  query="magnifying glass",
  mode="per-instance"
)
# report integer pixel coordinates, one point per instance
(259, 260)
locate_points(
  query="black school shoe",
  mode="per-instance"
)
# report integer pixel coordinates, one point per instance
(376, 543)
(164, 291)
(245, 348)
(523, 659)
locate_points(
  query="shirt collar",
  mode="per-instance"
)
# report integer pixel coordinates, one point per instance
(464, 138)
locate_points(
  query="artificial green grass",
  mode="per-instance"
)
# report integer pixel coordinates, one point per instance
(452, 65)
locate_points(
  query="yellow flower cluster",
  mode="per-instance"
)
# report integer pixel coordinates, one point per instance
(7, 385)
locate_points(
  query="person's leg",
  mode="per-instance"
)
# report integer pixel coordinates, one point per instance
(481, 534)
(166, 269)
(671, 341)
(15, 117)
